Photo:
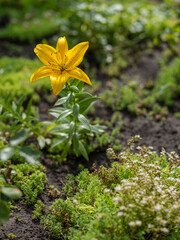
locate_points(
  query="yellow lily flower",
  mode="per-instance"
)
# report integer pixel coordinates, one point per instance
(61, 63)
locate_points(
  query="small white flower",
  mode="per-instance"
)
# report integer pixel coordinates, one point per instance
(175, 207)
(163, 222)
(138, 223)
(106, 190)
(143, 201)
(135, 161)
(118, 188)
(116, 200)
(119, 214)
(132, 224)
(150, 225)
(164, 230)
(157, 207)
(75, 201)
(130, 205)
(122, 208)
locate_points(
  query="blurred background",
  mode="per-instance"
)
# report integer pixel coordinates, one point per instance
(115, 28)
(131, 45)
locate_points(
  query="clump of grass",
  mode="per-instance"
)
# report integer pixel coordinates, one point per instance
(136, 198)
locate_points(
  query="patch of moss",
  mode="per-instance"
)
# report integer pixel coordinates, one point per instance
(30, 179)
(15, 76)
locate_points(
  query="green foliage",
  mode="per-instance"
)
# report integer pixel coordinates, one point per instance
(72, 130)
(31, 28)
(15, 147)
(136, 198)
(38, 208)
(167, 86)
(111, 27)
(30, 179)
(15, 79)
(11, 236)
(142, 99)
(121, 97)
(7, 193)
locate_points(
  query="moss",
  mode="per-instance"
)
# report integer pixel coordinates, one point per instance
(15, 78)
(30, 179)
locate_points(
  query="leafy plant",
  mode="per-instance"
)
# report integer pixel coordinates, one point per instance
(38, 208)
(30, 179)
(7, 193)
(72, 128)
(136, 198)
(15, 73)
(15, 147)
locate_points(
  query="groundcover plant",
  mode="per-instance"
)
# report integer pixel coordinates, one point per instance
(66, 171)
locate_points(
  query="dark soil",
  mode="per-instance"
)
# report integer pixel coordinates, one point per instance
(154, 132)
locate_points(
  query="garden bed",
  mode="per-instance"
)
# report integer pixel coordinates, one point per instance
(134, 67)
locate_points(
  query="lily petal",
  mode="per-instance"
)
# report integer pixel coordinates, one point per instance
(75, 56)
(41, 73)
(58, 81)
(46, 54)
(61, 48)
(79, 74)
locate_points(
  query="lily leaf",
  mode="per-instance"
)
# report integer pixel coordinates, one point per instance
(29, 155)
(11, 192)
(4, 212)
(6, 153)
(19, 137)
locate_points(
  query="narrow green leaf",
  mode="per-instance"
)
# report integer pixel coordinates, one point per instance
(56, 111)
(76, 143)
(63, 94)
(14, 107)
(69, 100)
(6, 153)
(71, 129)
(65, 151)
(28, 110)
(64, 114)
(19, 137)
(19, 105)
(80, 85)
(84, 121)
(98, 128)
(4, 212)
(59, 142)
(86, 103)
(29, 155)
(11, 192)
(61, 101)
(41, 141)
(83, 95)
(1, 108)
(76, 110)
(74, 89)
(74, 82)
(83, 151)
(59, 128)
